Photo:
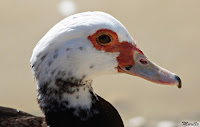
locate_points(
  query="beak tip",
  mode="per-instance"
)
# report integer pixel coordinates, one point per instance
(179, 82)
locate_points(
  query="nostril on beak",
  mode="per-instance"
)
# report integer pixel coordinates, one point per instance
(128, 67)
(143, 61)
(179, 82)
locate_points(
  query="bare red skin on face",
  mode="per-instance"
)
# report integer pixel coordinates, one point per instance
(126, 49)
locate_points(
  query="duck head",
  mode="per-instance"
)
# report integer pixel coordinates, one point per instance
(86, 45)
(82, 47)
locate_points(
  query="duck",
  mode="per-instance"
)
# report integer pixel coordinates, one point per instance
(72, 54)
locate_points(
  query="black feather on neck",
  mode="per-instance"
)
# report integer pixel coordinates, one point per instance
(59, 113)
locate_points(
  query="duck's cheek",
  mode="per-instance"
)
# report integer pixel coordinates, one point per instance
(126, 56)
(125, 60)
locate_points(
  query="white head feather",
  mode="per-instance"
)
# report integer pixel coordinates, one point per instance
(66, 48)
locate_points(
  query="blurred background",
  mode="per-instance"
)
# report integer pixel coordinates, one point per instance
(167, 31)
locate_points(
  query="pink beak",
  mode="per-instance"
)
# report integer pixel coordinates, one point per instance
(146, 69)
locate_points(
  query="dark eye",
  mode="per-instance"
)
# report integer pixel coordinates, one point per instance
(104, 39)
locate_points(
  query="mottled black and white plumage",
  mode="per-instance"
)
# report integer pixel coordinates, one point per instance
(69, 57)
(64, 63)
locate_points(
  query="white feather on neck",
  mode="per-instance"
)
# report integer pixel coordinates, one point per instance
(82, 98)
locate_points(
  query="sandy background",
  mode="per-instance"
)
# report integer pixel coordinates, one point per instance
(167, 31)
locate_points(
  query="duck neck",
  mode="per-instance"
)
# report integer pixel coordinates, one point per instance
(75, 99)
